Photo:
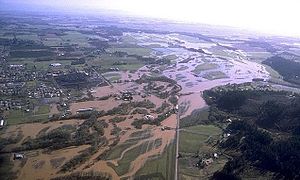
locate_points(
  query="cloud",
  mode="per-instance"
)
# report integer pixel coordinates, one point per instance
(271, 16)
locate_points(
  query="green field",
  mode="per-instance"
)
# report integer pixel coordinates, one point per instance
(140, 51)
(6, 172)
(78, 38)
(116, 151)
(128, 39)
(31, 54)
(210, 130)
(198, 116)
(42, 65)
(215, 75)
(187, 171)
(204, 67)
(112, 76)
(160, 167)
(44, 109)
(191, 142)
(129, 156)
(183, 68)
(107, 61)
(19, 117)
(31, 37)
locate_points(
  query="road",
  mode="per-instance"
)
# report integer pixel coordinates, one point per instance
(177, 146)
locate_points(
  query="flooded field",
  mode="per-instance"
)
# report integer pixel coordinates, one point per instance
(196, 65)
(232, 66)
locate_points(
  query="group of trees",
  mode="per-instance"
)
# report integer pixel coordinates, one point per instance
(68, 135)
(288, 68)
(260, 150)
(264, 132)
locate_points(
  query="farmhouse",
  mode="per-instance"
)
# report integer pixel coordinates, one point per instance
(2, 123)
(148, 117)
(18, 156)
(55, 65)
(84, 110)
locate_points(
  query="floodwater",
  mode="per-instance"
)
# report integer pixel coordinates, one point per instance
(98, 105)
(234, 64)
(31, 130)
(31, 170)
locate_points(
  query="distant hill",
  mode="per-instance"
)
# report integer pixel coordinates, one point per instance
(287, 65)
(265, 132)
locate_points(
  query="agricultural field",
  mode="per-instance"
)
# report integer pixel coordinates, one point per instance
(197, 143)
(205, 66)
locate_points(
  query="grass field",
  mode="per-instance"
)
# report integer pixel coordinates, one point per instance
(31, 84)
(183, 68)
(215, 75)
(204, 67)
(31, 54)
(44, 109)
(190, 142)
(6, 168)
(274, 74)
(140, 51)
(31, 37)
(112, 76)
(198, 116)
(107, 61)
(53, 41)
(128, 39)
(188, 171)
(116, 151)
(43, 65)
(160, 167)
(129, 156)
(20, 116)
(210, 130)
(74, 37)
(190, 39)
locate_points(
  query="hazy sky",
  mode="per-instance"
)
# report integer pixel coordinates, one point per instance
(270, 16)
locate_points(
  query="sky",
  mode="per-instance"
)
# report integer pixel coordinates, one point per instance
(279, 17)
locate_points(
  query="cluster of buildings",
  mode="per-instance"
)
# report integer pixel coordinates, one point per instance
(15, 73)
(44, 91)
(7, 104)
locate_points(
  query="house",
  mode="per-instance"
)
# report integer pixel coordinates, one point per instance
(55, 65)
(207, 162)
(127, 96)
(18, 156)
(228, 120)
(84, 110)
(226, 135)
(149, 117)
(2, 123)
(16, 65)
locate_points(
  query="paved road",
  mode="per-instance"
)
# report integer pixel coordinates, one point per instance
(177, 146)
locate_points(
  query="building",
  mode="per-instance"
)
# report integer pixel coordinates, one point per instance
(127, 96)
(16, 65)
(2, 123)
(55, 65)
(18, 156)
(84, 110)
(148, 117)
